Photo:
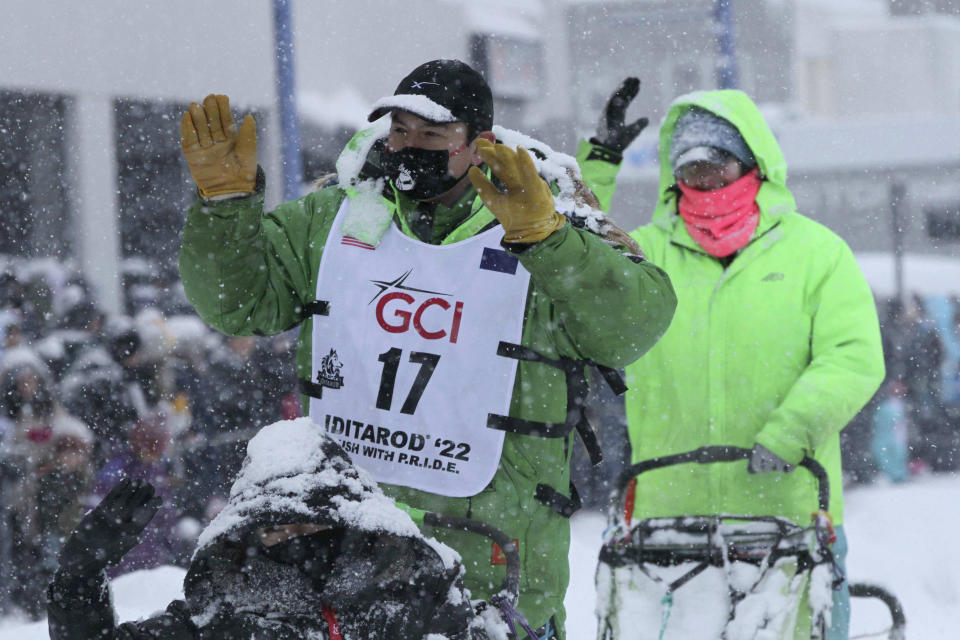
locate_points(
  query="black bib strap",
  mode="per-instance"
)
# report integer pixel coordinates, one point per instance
(577, 389)
(527, 427)
(520, 352)
(560, 503)
(311, 389)
(589, 439)
(317, 308)
(613, 378)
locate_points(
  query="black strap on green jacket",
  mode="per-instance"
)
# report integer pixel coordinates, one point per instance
(316, 308)
(577, 390)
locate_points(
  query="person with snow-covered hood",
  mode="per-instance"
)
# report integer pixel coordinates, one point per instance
(775, 345)
(307, 547)
(445, 319)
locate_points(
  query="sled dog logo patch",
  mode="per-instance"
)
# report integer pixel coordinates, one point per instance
(329, 374)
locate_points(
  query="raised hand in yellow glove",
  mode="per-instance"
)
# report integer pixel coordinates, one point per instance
(222, 160)
(526, 210)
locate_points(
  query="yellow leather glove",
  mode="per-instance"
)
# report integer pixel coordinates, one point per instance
(526, 210)
(221, 159)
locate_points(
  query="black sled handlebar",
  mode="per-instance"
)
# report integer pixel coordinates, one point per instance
(709, 455)
(864, 590)
(511, 583)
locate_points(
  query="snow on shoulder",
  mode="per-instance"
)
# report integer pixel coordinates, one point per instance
(571, 199)
(369, 216)
(294, 473)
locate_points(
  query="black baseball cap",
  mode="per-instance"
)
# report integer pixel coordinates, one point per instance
(442, 91)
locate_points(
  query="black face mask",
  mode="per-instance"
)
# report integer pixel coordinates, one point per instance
(313, 554)
(420, 174)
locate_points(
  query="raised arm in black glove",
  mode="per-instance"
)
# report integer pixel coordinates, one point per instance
(78, 603)
(612, 132)
(110, 529)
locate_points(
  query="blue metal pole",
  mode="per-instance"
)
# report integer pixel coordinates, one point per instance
(287, 100)
(727, 63)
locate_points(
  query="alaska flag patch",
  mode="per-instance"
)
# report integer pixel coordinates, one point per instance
(498, 260)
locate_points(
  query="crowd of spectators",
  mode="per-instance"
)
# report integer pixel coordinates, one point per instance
(87, 397)
(912, 425)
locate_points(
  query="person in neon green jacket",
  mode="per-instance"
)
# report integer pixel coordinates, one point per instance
(250, 272)
(775, 344)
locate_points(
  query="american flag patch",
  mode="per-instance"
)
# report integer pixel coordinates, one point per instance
(353, 242)
(498, 260)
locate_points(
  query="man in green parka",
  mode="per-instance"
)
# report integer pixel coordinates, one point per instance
(775, 345)
(441, 317)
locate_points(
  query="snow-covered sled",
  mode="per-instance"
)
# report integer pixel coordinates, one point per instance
(715, 576)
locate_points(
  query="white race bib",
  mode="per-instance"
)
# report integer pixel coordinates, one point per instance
(405, 365)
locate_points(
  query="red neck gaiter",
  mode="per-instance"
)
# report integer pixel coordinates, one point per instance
(722, 221)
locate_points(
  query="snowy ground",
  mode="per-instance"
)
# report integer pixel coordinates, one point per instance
(136, 595)
(902, 537)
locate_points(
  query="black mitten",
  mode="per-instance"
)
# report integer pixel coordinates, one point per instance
(612, 132)
(111, 528)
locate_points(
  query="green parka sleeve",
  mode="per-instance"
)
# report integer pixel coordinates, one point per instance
(599, 168)
(611, 307)
(846, 364)
(247, 273)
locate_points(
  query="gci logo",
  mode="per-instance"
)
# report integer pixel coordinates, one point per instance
(433, 318)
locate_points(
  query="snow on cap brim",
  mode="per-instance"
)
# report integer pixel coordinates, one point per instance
(416, 104)
(701, 154)
(18, 357)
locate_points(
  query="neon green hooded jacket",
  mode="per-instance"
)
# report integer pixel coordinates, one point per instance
(781, 348)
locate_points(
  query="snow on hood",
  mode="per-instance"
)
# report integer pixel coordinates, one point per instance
(187, 331)
(354, 155)
(66, 426)
(156, 342)
(23, 358)
(295, 473)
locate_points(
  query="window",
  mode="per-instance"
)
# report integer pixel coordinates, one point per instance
(34, 219)
(154, 182)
